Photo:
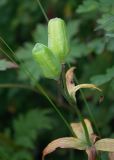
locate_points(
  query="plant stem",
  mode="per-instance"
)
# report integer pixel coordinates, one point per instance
(43, 11)
(74, 105)
(87, 106)
(56, 109)
(38, 86)
(10, 85)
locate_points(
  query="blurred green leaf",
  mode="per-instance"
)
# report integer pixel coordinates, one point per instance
(73, 28)
(106, 22)
(27, 127)
(40, 35)
(97, 45)
(88, 6)
(101, 79)
(24, 55)
(22, 155)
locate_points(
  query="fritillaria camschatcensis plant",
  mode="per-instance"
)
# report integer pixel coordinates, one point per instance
(51, 60)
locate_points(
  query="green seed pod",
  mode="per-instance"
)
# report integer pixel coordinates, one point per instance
(46, 60)
(57, 38)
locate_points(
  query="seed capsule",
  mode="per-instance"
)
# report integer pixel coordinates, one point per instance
(57, 38)
(48, 63)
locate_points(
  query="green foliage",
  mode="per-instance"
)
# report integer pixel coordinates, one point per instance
(18, 15)
(30, 126)
(25, 131)
(40, 34)
(88, 6)
(104, 8)
(7, 152)
(24, 55)
(101, 79)
(106, 22)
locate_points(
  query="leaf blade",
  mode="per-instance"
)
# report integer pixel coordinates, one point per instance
(106, 144)
(65, 142)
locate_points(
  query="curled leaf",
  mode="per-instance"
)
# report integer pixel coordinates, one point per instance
(76, 88)
(69, 79)
(79, 130)
(72, 89)
(66, 142)
(106, 144)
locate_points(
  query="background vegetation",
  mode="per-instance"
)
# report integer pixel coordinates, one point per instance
(27, 120)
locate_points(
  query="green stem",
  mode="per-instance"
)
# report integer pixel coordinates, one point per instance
(43, 11)
(74, 105)
(56, 109)
(83, 124)
(38, 86)
(64, 82)
(98, 157)
(87, 106)
(10, 85)
(88, 109)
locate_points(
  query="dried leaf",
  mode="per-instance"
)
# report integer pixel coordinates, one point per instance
(69, 79)
(72, 89)
(65, 142)
(106, 144)
(85, 86)
(79, 131)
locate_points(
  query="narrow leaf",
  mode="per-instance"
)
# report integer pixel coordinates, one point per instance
(76, 88)
(106, 144)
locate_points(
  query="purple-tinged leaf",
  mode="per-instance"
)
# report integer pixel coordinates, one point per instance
(65, 142)
(4, 65)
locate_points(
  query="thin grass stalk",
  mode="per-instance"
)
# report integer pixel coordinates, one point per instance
(87, 106)
(38, 86)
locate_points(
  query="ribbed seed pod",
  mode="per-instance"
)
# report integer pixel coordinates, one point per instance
(57, 38)
(48, 63)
